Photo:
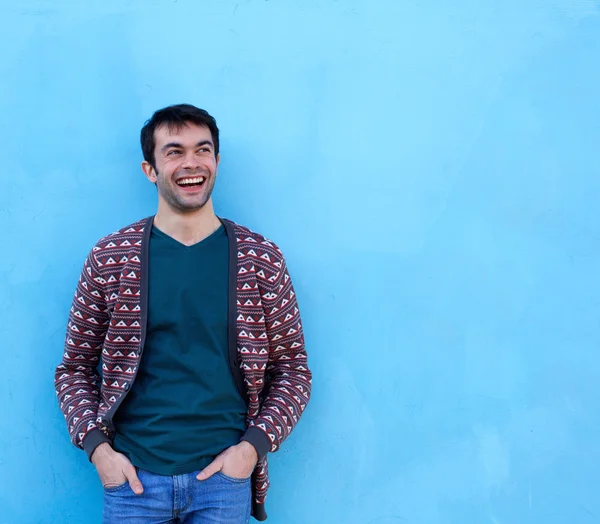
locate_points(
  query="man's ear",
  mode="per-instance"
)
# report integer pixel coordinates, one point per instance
(149, 171)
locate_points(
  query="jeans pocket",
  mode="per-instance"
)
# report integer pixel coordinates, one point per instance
(114, 489)
(233, 479)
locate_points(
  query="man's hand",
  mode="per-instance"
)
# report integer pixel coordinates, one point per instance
(115, 469)
(237, 461)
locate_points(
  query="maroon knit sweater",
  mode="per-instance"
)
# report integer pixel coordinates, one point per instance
(107, 326)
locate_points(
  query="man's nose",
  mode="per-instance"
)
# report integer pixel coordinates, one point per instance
(190, 161)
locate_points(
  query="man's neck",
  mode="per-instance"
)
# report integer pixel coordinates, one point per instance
(187, 228)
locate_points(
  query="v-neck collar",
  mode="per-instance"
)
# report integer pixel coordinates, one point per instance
(176, 243)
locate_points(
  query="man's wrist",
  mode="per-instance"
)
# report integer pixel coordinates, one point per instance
(102, 450)
(249, 450)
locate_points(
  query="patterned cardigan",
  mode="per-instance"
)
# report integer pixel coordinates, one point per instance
(107, 326)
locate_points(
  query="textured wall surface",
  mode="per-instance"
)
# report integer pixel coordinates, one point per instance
(431, 171)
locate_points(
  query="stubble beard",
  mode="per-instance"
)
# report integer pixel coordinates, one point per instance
(180, 205)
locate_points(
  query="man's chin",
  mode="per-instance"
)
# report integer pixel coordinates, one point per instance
(189, 207)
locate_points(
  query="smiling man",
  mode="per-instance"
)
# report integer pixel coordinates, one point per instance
(184, 362)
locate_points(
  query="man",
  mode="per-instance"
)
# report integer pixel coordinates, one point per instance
(195, 324)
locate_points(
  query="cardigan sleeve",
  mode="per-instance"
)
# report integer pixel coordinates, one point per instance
(76, 380)
(289, 377)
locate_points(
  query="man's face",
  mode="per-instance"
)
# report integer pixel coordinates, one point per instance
(186, 167)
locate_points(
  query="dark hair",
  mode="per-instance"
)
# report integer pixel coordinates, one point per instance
(175, 117)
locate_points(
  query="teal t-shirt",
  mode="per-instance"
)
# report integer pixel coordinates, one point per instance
(184, 407)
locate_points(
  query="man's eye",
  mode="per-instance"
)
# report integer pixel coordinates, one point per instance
(173, 152)
(204, 150)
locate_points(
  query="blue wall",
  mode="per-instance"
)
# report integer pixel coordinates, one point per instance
(431, 171)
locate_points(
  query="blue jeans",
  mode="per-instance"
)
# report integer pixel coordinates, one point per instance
(180, 499)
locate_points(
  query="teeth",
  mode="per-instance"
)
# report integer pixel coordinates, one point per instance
(188, 181)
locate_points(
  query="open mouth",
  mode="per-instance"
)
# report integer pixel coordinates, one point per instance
(191, 182)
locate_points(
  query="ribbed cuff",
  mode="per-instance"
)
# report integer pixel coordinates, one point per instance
(92, 440)
(259, 439)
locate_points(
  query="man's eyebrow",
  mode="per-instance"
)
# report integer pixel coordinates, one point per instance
(179, 146)
(170, 145)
